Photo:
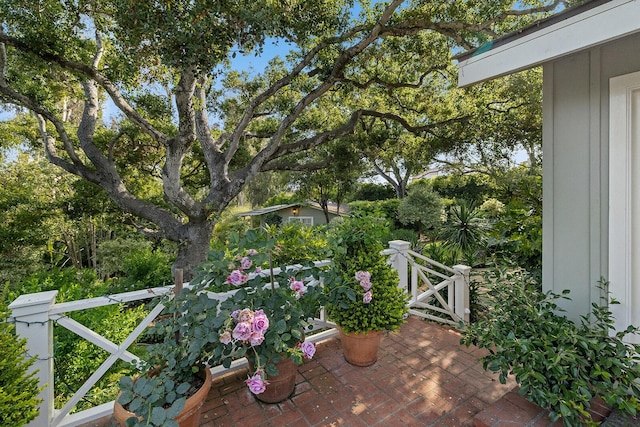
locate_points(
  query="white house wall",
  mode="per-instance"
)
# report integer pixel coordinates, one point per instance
(575, 147)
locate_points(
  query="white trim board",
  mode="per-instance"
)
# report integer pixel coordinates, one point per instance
(593, 27)
(624, 200)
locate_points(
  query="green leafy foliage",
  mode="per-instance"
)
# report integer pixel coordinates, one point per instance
(190, 335)
(134, 264)
(356, 243)
(471, 187)
(387, 209)
(371, 192)
(75, 358)
(422, 208)
(18, 387)
(465, 231)
(299, 243)
(558, 364)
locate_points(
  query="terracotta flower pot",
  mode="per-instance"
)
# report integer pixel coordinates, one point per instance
(360, 348)
(281, 386)
(190, 415)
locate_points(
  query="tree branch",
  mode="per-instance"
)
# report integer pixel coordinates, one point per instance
(393, 85)
(93, 74)
(429, 128)
(294, 166)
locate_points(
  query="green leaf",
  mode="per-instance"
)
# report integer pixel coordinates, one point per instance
(126, 397)
(183, 388)
(280, 326)
(175, 409)
(158, 415)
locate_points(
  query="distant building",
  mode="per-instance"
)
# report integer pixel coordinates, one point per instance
(307, 213)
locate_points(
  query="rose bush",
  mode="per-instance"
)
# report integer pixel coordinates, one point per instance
(238, 305)
(263, 310)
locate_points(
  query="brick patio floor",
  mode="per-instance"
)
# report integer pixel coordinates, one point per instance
(423, 377)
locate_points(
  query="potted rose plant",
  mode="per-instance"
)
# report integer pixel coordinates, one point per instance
(237, 306)
(363, 296)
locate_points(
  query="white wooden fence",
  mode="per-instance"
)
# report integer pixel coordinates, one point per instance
(35, 314)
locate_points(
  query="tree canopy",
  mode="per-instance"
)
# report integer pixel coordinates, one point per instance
(190, 132)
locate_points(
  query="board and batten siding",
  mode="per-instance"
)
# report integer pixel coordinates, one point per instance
(576, 169)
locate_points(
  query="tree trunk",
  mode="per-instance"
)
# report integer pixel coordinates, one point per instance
(194, 247)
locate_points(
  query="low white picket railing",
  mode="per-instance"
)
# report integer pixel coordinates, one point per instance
(35, 314)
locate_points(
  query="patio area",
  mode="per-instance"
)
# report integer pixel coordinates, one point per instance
(423, 377)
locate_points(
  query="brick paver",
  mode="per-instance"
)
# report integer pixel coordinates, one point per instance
(423, 377)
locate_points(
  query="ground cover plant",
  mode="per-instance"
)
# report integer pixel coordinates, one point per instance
(559, 365)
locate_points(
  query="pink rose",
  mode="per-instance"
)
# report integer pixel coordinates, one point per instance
(236, 278)
(258, 270)
(245, 263)
(363, 275)
(298, 287)
(256, 338)
(242, 331)
(366, 284)
(256, 384)
(225, 337)
(308, 349)
(367, 297)
(260, 321)
(234, 315)
(245, 315)
(251, 252)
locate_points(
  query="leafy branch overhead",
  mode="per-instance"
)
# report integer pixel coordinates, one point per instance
(201, 130)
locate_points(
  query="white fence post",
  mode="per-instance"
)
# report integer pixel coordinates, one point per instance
(401, 261)
(461, 292)
(31, 315)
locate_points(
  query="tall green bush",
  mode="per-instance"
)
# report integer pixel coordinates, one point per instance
(299, 243)
(371, 191)
(18, 387)
(558, 364)
(422, 209)
(387, 209)
(75, 358)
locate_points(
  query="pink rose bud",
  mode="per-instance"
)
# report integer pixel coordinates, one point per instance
(256, 384)
(367, 297)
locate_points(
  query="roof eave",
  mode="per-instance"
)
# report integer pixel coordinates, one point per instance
(594, 26)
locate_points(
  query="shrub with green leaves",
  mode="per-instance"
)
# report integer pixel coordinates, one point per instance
(356, 244)
(18, 388)
(422, 208)
(75, 358)
(559, 365)
(299, 243)
(383, 208)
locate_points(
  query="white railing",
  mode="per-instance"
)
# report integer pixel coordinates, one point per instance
(35, 314)
(424, 280)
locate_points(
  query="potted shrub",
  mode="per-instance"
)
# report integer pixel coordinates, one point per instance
(558, 364)
(254, 313)
(363, 296)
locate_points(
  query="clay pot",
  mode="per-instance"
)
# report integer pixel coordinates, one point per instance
(281, 386)
(360, 348)
(190, 415)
